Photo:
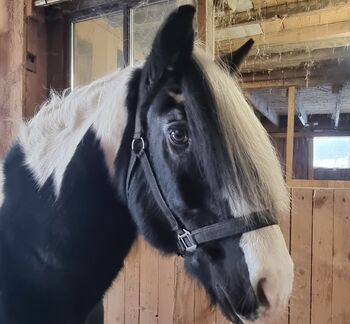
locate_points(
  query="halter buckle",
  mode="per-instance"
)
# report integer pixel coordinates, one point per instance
(138, 145)
(185, 241)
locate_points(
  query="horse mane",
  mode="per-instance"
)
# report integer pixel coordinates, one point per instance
(250, 150)
(50, 139)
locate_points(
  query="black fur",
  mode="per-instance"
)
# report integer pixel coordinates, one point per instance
(59, 256)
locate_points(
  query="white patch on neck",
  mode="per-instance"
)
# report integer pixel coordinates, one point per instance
(50, 139)
(1, 184)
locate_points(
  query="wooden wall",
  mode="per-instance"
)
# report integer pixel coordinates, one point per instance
(154, 289)
(12, 74)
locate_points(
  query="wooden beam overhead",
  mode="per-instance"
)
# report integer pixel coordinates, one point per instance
(292, 59)
(301, 35)
(285, 83)
(263, 50)
(261, 105)
(229, 18)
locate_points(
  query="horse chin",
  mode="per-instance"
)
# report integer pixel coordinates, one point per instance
(229, 310)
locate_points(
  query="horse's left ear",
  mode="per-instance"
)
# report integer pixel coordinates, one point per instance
(234, 59)
(172, 45)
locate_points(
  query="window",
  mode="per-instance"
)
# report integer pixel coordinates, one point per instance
(99, 46)
(145, 23)
(331, 152)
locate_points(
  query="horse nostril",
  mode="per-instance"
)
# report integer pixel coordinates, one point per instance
(261, 293)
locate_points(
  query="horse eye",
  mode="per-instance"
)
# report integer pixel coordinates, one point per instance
(179, 136)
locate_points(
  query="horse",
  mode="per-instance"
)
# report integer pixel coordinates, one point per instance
(170, 150)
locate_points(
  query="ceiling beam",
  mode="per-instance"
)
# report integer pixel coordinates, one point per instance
(292, 59)
(228, 18)
(301, 35)
(263, 50)
(261, 105)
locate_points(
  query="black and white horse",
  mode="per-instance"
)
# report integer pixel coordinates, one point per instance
(201, 179)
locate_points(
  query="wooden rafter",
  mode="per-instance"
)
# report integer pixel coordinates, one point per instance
(292, 59)
(224, 19)
(301, 35)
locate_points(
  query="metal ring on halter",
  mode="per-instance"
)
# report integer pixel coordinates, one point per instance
(138, 145)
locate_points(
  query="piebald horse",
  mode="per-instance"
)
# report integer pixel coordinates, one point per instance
(170, 150)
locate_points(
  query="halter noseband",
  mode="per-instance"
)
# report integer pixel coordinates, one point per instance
(187, 241)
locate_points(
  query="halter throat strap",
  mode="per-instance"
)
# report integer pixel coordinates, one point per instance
(187, 241)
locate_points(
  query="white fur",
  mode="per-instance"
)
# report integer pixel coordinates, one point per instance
(50, 139)
(267, 256)
(1, 184)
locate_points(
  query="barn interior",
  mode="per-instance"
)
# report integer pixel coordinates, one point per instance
(297, 79)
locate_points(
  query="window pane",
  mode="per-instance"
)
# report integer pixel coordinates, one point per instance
(332, 152)
(146, 21)
(97, 48)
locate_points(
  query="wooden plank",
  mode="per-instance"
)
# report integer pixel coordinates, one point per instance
(203, 312)
(284, 220)
(318, 184)
(276, 61)
(210, 29)
(308, 19)
(322, 256)
(301, 242)
(184, 295)
(285, 83)
(36, 65)
(132, 284)
(283, 9)
(290, 133)
(312, 33)
(341, 258)
(201, 19)
(166, 289)
(148, 285)
(114, 303)
(12, 72)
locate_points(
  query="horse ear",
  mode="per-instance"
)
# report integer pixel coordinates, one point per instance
(234, 59)
(172, 45)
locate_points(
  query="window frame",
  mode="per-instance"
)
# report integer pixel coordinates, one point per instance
(303, 183)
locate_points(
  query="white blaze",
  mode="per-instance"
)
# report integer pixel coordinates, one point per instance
(267, 257)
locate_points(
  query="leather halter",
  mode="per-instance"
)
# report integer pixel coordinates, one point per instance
(187, 241)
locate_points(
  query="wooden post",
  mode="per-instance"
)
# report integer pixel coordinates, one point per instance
(12, 72)
(290, 134)
(206, 26)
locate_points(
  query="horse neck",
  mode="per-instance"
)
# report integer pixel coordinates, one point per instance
(50, 139)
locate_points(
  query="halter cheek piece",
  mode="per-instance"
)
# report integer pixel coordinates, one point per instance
(187, 241)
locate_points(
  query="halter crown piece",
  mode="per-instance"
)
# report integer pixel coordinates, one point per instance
(187, 241)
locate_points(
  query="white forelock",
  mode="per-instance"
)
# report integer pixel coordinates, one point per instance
(248, 144)
(50, 139)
